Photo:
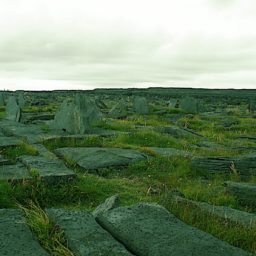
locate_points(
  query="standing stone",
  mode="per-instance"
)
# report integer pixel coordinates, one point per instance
(77, 117)
(13, 111)
(1, 99)
(189, 104)
(140, 106)
(21, 100)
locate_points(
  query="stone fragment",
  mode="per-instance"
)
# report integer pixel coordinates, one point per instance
(150, 230)
(84, 235)
(96, 158)
(16, 237)
(109, 204)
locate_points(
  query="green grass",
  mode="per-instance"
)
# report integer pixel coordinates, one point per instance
(233, 233)
(16, 151)
(50, 236)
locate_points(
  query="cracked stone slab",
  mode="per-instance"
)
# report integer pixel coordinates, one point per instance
(51, 170)
(149, 230)
(16, 172)
(16, 237)
(84, 235)
(244, 218)
(43, 151)
(96, 158)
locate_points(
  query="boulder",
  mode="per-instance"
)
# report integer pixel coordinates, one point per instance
(149, 230)
(13, 111)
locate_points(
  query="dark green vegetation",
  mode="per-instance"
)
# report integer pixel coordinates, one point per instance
(227, 130)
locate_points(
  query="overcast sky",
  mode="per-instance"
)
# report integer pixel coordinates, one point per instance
(81, 44)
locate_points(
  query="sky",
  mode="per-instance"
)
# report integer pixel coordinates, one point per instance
(82, 44)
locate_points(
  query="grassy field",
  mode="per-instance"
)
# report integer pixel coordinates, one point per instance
(153, 180)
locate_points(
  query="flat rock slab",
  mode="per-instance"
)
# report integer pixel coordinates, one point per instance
(9, 141)
(96, 158)
(243, 218)
(43, 151)
(170, 152)
(14, 173)
(244, 165)
(51, 170)
(150, 230)
(4, 161)
(16, 237)
(84, 235)
(32, 133)
(179, 132)
(245, 192)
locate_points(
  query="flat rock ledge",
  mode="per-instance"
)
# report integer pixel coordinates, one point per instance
(150, 230)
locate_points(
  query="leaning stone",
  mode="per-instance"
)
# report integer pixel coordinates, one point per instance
(96, 158)
(172, 103)
(244, 192)
(149, 230)
(50, 170)
(16, 237)
(242, 218)
(109, 204)
(140, 106)
(13, 111)
(85, 236)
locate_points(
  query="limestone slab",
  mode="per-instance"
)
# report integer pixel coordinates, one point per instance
(9, 141)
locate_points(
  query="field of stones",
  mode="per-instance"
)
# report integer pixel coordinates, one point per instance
(146, 172)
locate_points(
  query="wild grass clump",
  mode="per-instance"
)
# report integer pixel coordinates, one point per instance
(48, 234)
